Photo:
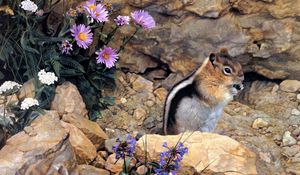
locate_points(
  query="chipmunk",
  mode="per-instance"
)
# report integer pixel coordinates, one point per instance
(197, 101)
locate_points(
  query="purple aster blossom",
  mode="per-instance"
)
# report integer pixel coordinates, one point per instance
(95, 11)
(122, 20)
(170, 159)
(65, 47)
(142, 18)
(100, 14)
(90, 6)
(124, 147)
(82, 35)
(107, 56)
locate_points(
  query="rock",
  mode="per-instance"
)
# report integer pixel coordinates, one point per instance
(139, 114)
(259, 123)
(290, 85)
(12, 100)
(84, 149)
(287, 139)
(142, 170)
(265, 157)
(103, 154)
(290, 151)
(89, 128)
(99, 162)
(90, 170)
(207, 8)
(296, 132)
(114, 165)
(41, 152)
(296, 158)
(295, 112)
(225, 153)
(67, 99)
(27, 90)
(298, 97)
(161, 93)
(141, 84)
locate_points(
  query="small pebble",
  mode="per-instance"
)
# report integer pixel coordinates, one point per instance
(295, 112)
(287, 139)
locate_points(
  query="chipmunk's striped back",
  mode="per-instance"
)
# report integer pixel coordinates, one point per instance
(197, 101)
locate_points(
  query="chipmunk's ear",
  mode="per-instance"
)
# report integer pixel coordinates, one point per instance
(212, 58)
(224, 52)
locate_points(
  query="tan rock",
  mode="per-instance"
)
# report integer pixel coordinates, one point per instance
(161, 93)
(114, 165)
(139, 114)
(90, 170)
(142, 170)
(12, 100)
(141, 84)
(259, 123)
(40, 152)
(68, 100)
(27, 90)
(91, 129)
(207, 8)
(290, 85)
(84, 149)
(219, 153)
(99, 162)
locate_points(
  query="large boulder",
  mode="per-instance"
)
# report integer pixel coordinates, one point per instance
(91, 129)
(84, 149)
(208, 151)
(41, 147)
(67, 100)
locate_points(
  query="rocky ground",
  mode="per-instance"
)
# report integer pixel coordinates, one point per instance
(259, 133)
(265, 118)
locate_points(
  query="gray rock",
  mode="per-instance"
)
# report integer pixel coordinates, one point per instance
(287, 139)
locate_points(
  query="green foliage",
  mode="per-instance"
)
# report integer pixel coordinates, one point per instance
(29, 43)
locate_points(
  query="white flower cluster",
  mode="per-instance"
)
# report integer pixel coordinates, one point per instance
(47, 77)
(29, 102)
(9, 85)
(29, 6)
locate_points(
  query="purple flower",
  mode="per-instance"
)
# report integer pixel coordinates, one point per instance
(82, 35)
(124, 147)
(97, 12)
(142, 18)
(65, 47)
(100, 14)
(170, 159)
(107, 56)
(90, 6)
(122, 20)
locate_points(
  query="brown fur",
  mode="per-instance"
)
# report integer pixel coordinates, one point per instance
(213, 83)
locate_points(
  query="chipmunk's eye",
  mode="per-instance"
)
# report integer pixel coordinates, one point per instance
(227, 70)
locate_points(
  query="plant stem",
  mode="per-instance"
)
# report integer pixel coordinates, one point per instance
(110, 35)
(126, 41)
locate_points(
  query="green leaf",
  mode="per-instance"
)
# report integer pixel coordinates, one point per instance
(25, 44)
(1, 75)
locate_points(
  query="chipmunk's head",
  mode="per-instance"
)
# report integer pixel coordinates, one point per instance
(227, 72)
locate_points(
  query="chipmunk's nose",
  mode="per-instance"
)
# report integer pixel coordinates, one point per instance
(238, 87)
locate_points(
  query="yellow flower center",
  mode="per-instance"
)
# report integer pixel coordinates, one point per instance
(105, 56)
(82, 36)
(92, 7)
